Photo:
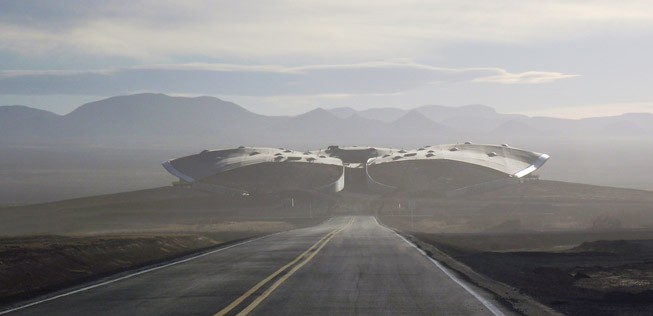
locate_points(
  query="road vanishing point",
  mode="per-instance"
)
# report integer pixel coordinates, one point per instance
(344, 266)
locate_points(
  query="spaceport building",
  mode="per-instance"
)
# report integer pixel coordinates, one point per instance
(453, 169)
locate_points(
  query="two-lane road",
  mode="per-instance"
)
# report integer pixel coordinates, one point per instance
(345, 266)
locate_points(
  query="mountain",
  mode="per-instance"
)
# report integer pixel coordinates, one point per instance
(156, 120)
(439, 113)
(449, 115)
(320, 126)
(514, 127)
(118, 143)
(157, 114)
(414, 128)
(21, 123)
(153, 119)
(624, 128)
(414, 121)
(383, 114)
(342, 112)
(632, 125)
(317, 119)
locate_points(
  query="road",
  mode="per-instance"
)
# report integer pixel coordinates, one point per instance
(345, 266)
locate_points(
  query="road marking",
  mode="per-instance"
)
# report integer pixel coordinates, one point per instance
(132, 275)
(271, 289)
(313, 250)
(496, 311)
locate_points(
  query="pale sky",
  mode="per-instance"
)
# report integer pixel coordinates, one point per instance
(557, 58)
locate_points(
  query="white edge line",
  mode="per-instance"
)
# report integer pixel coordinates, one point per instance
(486, 303)
(132, 275)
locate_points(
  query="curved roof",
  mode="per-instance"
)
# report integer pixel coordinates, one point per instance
(210, 162)
(206, 165)
(503, 158)
(353, 154)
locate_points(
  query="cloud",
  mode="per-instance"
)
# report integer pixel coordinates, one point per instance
(388, 77)
(528, 77)
(165, 31)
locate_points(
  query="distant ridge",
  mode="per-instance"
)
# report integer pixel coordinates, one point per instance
(159, 120)
(415, 120)
(439, 113)
(343, 112)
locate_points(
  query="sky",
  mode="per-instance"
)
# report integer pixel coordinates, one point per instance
(562, 58)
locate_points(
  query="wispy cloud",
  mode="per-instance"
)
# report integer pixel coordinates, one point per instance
(165, 31)
(388, 77)
(528, 77)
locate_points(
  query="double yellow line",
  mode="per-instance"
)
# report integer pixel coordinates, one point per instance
(296, 264)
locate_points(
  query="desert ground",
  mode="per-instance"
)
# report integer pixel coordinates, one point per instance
(578, 249)
(45, 247)
(581, 250)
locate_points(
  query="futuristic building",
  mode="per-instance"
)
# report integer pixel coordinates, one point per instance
(258, 170)
(450, 168)
(454, 169)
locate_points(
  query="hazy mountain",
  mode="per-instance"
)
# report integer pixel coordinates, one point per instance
(10, 114)
(436, 113)
(439, 113)
(475, 117)
(159, 120)
(158, 115)
(342, 112)
(320, 126)
(317, 119)
(631, 123)
(417, 130)
(383, 114)
(118, 143)
(623, 129)
(414, 121)
(514, 127)
(21, 123)
(156, 119)
(638, 126)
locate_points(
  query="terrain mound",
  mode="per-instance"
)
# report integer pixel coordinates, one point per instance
(615, 246)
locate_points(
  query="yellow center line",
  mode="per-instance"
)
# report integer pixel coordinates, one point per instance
(315, 248)
(276, 284)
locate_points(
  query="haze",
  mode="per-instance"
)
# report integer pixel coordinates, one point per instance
(554, 58)
(450, 157)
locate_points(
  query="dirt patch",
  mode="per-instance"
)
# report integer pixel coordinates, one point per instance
(165, 210)
(529, 237)
(248, 226)
(595, 278)
(59, 244)
(577, 209)
(33, 265)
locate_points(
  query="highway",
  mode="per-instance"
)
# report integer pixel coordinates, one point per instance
(344, 266)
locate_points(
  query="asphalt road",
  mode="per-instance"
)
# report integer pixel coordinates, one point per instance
(345, 266)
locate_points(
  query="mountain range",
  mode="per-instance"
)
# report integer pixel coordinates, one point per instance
(157, 120)
(117, 144)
